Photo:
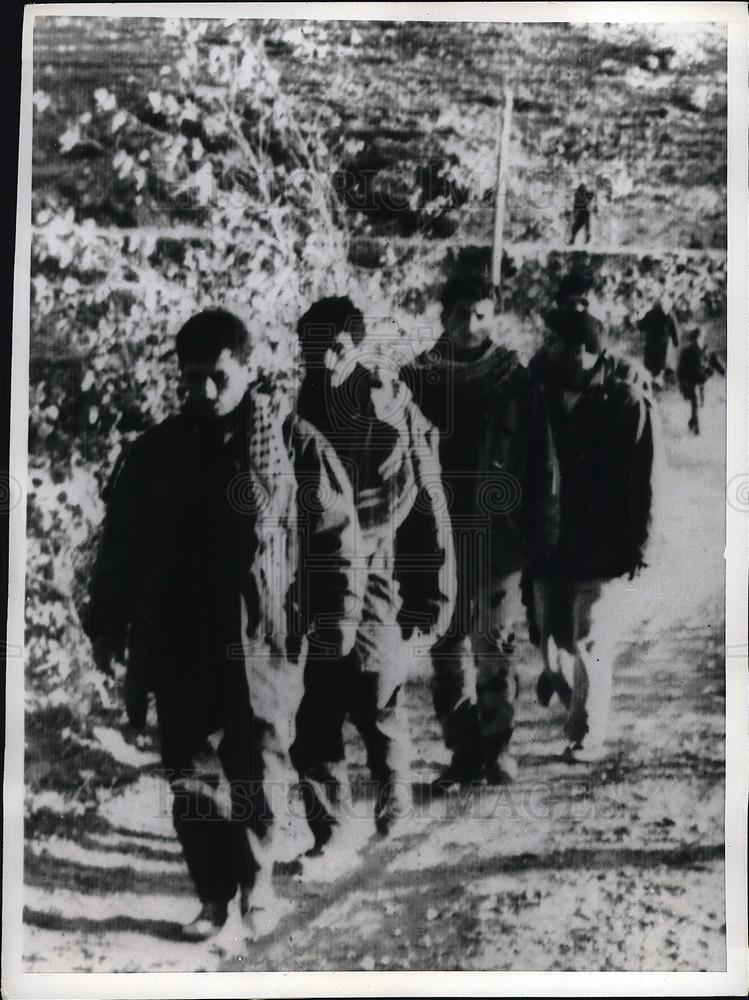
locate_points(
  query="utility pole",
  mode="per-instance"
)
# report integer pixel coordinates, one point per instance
(504, 124)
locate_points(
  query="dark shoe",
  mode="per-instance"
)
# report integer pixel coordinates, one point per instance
(393, 803)
(549, 684)
(564, 691)
(545, 687)
(457, 772)
(322, 832)
(581, 753)
(320, 820)
(502, 771)
(208, 922)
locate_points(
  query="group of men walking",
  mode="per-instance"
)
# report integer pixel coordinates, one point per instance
(240, 541)
(694, 366)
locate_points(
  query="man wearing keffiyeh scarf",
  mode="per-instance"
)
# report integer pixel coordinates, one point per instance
(501, 481)
(200, 574)
(390, 453)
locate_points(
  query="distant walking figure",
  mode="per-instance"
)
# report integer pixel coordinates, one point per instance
(695, 368)
(582, 205)
(658, 326)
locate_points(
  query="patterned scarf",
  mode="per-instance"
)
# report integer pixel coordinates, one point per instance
(271, 497)
(367, 421)
(276, 684)
(473, 374)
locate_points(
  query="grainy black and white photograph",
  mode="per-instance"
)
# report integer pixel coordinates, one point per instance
(374, 584)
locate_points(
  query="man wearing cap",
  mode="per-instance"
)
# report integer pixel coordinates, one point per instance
(203, 551)
(390, 454)
(501, 485)
(601, 422)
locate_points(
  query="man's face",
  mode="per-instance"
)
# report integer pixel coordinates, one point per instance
(341, 353)
(572, 362)
(469, 324)
(215, 388)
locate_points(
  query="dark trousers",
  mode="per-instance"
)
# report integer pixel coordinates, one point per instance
(474, 699)
(362, 687)
(692, 395)
(336, 690)
(577, 646)
(655, 354)
(580, 220)
(217, 784)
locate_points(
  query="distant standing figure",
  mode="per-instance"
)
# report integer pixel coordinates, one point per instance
(583, 203)
(659, 326)
(695, 367)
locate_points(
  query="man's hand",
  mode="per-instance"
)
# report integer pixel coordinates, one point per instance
(388, 468)
(293, 647)
(423, 619)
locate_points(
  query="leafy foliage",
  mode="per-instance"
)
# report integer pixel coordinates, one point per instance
(219, 145)
(217, 150)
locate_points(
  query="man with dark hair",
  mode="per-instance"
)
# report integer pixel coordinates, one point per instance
(198, 556)
(500, 478)
(206, 335)
(695, 368)
(572, 300)
(583, 203)
(390, 453)
(572, 318)
(603, 434)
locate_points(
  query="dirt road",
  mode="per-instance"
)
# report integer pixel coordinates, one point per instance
(615, 866)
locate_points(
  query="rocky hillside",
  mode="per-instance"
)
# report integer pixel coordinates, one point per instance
(410, 113)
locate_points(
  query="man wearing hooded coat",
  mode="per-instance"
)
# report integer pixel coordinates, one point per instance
(601, 420)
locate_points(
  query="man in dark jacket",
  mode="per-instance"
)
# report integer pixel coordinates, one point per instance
(501, 483)
(658, 327)
(583, 203)
(603, 434)
(197, 557)
(390, 454)
(695, 368)
(572, 296)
